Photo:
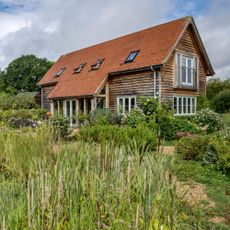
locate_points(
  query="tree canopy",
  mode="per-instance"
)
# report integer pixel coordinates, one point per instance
(23, 74)
(215, 86)
(218, 94)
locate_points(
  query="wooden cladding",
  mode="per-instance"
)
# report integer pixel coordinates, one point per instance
(44, 97)
(186, 46)
(125, 85)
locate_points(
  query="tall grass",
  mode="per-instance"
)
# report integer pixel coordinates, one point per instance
(47, 185)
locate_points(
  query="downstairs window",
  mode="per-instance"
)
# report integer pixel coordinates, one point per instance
(185, 105)
(125, 104)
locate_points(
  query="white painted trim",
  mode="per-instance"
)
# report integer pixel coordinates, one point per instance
(123, 101)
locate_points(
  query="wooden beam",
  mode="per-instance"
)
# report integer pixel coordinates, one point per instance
(107, 95)
(85, 106)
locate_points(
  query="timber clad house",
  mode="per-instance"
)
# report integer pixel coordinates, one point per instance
(167, 61)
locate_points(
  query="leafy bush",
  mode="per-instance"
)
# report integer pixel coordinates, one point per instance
(193, 148)
(149, 105)
(135, 118)
(104, 117)
(140, 136)
(209, 120)
(221, 101)
(206, 148)
(60, 125)
(8, 101)
(202, 103)
(34, 114)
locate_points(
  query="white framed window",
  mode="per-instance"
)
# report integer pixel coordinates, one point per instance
(185, 105)
(125, 104)
(187, 70)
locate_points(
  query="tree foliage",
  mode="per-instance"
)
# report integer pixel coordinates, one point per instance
(215, 86)
(221, 101)
(23, 74)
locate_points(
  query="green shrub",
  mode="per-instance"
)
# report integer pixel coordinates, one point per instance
(206, 148)
(140, 136)
(202, 103)
(104, 117)
(193, 148)
(135, 118)
(34, 114)
(209, 120)
(149, 105)
(221, 101)
(60, 125)
(8, 102)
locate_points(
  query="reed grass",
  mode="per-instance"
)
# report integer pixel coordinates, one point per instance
(77, 185)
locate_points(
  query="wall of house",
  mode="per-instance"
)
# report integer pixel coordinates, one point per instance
(141, 84)
(45, 90)
(186, 44)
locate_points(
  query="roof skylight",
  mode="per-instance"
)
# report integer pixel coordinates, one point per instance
(97, 64)
(132, 56)
(79, 68)
(59, 72)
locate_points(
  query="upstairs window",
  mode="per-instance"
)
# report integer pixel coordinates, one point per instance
(132, 56)
(187, 71)
(79, 68)
(97, 64)
(59, 72)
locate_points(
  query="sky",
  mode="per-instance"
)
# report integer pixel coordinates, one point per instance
(49, 28)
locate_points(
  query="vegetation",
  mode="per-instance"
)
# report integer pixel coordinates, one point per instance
(23, 74)
(209, 120)
(112, 173)
(221, 101)
(218, 94)
(211, 211)
(47, 185)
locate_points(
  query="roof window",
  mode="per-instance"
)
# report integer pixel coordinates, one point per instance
(79, 68)
(97, 64)
(132, 56)
(59, 72)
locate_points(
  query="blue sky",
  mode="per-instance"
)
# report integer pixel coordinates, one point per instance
(49, 28)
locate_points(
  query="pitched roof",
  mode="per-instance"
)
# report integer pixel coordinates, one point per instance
(155, 45)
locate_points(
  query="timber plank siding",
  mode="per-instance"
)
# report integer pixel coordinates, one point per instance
(187, 45)
(45, 101)
(135, 84)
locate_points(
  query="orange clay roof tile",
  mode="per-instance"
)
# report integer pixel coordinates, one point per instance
(154, 43)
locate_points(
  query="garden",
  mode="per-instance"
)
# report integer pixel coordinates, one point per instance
(113, 172)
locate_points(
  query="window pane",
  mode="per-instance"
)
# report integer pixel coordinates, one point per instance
(68, 108)
(180, 105)
(183, 74)
(74, 112)
(126, 104)
(132, 102)
(120, 105)
(193, 105)
(189, 71)
(189, 105)
(175, 105)
(184, 105)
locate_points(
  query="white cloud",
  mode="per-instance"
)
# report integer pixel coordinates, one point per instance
(215, 31)
(50, 28)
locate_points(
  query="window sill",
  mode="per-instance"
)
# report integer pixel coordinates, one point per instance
(191, 88)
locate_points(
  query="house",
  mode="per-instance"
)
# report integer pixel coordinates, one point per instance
(167, 61)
